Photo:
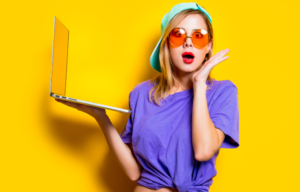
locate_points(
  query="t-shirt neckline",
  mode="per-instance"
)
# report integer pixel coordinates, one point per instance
(183, 94)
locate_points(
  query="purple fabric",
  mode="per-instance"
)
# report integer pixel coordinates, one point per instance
(161, 136)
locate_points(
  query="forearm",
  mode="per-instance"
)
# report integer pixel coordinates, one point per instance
(204, 134)
(122, 151)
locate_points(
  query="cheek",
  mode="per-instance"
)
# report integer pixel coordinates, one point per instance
(201, 56)
(175, 53)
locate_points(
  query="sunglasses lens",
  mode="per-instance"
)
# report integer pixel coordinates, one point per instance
(177, 36)
(200, 38)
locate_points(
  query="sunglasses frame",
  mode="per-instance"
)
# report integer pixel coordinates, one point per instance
(188, 36)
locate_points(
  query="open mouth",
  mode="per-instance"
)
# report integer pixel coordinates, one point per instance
(188, 57)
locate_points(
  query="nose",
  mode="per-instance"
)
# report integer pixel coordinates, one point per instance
(188, 41)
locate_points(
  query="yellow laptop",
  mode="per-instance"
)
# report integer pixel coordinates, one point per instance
(59, 68)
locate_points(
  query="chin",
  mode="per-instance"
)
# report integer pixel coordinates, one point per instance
(187, 68)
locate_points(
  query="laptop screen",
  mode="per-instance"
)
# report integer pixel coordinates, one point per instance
(59, 58)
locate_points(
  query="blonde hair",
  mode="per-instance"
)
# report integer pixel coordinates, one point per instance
(164, 82)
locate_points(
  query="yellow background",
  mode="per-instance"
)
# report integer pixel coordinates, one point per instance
(47, 146)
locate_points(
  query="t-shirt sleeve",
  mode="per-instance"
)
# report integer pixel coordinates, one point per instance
(225, 115)
(126, 134)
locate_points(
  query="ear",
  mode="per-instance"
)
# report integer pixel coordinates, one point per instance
(209, 46)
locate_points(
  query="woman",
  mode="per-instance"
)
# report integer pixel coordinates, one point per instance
(181, 118)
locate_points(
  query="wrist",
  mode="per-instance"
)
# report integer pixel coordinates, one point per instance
(101, 118)
(199, 85)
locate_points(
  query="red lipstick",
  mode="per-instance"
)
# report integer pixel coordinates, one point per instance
(188, 57)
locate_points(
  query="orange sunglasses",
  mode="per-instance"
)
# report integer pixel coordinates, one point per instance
(199, 37)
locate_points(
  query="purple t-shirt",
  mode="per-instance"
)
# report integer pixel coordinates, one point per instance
(161, 136)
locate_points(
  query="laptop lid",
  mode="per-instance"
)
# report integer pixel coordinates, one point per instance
(59, 58)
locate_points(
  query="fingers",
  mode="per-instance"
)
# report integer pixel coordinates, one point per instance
(220, 54)
(219, 60)
(222, 59)
(71, 104)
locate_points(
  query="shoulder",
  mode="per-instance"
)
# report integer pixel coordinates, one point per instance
(223, 85)
(142, 87)
(223, 90)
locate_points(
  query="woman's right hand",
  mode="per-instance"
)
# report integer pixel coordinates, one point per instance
(93, 111)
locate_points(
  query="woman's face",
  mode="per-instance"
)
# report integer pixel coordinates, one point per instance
(190, 22)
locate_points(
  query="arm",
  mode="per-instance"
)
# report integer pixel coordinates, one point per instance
(206, 138)
(122, 151)
(140, 166)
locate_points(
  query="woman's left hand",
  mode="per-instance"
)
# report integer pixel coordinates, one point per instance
(202, 74)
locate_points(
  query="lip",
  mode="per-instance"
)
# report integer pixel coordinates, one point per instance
(188, 61)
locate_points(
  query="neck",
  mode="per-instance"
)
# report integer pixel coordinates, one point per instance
(184, 80)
